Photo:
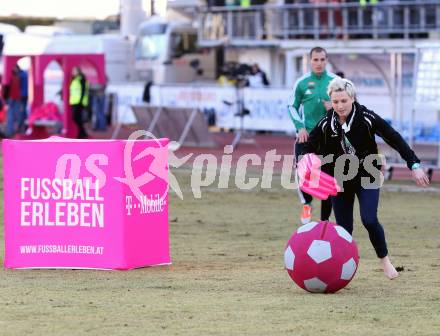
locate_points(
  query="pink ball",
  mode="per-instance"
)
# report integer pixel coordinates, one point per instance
(321, 257)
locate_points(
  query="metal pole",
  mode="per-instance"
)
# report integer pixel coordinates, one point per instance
(438, 154)
(286, 26)
(290, 74)
(414, 97)
(188, 125)
(201, 26)
(393, 84)
(305, 63)
(316, 27)
(115, 110)
(229, 33)
(400, 89)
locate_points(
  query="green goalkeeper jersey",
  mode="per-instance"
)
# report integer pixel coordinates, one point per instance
(306, 107)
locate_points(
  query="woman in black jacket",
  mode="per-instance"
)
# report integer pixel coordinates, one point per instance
(347, 133)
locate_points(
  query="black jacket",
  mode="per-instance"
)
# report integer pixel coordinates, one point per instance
(360, 129)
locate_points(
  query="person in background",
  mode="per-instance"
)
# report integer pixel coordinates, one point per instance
(78, 100)
(13, 102)
(363, 3)
(146, 95)
(2, 109)
(257, 77)
(310, 103)
(1, 94)
(99, 107)
(226, 77)
(216, 3)
(23, 111)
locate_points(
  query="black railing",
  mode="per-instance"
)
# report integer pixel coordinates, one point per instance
(390, 19)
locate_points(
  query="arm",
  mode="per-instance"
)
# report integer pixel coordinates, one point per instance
(315, 141)
(293, 108)
(395, 140)
(392, 138)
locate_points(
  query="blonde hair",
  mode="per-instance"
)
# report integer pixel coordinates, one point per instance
(341, 84)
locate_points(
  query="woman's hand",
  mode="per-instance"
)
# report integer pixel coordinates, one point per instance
(303, 136)
(420, 177)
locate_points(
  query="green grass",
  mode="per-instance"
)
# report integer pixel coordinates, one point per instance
(227, 277)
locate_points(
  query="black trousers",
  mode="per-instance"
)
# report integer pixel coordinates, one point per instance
(77, 112)
(326, 205)
(368, 202)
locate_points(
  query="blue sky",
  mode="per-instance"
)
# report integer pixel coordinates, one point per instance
(60, 8)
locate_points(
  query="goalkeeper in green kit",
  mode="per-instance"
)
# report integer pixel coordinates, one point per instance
(309, 104)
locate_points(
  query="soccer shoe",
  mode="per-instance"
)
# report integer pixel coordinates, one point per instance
(306, 214)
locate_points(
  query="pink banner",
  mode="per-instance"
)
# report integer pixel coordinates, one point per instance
(86, 203)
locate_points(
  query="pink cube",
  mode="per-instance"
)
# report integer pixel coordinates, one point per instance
(99, 204)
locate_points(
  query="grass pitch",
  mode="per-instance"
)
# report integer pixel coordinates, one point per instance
(227, 277)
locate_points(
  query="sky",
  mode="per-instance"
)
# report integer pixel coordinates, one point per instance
(60, 8)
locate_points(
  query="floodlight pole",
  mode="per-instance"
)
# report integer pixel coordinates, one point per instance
(239, 113)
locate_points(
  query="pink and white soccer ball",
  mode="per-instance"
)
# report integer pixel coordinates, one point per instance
(321, 257)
